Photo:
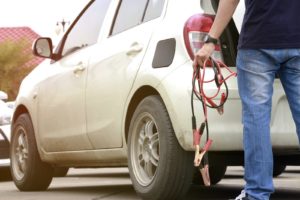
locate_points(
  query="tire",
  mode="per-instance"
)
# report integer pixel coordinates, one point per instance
(60, 171)
(159, 168)
(29, 173)
(216, 174)
(278, 169)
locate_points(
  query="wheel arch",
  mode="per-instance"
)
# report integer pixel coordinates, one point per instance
(21, 109)
(159, 142)
(138, 96)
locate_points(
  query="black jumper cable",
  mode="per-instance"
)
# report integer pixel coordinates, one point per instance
(201, 157)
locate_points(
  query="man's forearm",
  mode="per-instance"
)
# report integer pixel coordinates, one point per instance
(224, 14)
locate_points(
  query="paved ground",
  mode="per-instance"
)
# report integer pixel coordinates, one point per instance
(114, 184)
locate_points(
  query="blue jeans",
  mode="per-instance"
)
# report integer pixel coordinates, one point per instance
(256, 73)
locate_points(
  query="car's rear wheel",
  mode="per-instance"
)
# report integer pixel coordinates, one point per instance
(216, 174)
(278, 169)
(159, 168)
(28, 171)
(60, 171)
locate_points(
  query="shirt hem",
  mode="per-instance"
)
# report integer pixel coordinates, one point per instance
(270, 46)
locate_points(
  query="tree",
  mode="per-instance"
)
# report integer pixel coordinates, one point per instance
(14, 65)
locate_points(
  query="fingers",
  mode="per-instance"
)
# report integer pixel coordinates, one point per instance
(200, 57)
(203, 54)
(196, 63)
(199, 60)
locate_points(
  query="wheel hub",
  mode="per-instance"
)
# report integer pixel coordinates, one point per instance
(146, 149)
(20, 154)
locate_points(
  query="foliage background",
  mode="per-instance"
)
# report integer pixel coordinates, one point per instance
(15, 64)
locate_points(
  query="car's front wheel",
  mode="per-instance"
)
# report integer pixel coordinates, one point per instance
(28, 171)
(159, 168)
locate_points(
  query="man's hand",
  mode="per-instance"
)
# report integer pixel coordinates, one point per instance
(204, 53)
(223, 16)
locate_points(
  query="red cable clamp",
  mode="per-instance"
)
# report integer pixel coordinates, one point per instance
(197, 133)
(199, 153)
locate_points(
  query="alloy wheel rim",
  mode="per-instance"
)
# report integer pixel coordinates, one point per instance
(145, 149)
(20, 153)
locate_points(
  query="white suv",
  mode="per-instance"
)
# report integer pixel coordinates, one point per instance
(116, 92)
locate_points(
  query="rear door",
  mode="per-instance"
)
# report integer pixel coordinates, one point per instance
(113, 68)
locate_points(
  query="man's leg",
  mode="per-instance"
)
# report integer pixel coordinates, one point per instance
(290, 77)
(256, 73)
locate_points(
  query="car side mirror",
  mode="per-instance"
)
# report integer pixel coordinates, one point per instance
(43, 47)
(3, 95)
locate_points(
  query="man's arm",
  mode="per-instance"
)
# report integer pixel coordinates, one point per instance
(223, 16)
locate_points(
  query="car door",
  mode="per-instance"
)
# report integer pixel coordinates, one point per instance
(113, 68)
(61, 107)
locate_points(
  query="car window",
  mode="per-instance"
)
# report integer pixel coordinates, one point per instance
(86, 31)
(130, 14)
(154, 9)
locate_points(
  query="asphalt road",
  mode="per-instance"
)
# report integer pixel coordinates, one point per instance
(115, 184)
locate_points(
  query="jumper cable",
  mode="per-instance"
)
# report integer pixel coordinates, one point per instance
(201, 157)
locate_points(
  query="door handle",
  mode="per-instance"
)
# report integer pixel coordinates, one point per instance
(134, 49)
(79, 69)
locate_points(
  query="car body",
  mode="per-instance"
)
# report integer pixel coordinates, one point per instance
(6, 112)
(116, 92)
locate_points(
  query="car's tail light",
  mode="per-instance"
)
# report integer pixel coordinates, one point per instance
(194, 32)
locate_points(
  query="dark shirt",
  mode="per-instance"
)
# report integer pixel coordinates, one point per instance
(271, 24)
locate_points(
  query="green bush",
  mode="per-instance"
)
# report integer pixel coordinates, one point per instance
(14, 65)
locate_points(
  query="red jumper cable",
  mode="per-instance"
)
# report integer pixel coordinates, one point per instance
(201, 158)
